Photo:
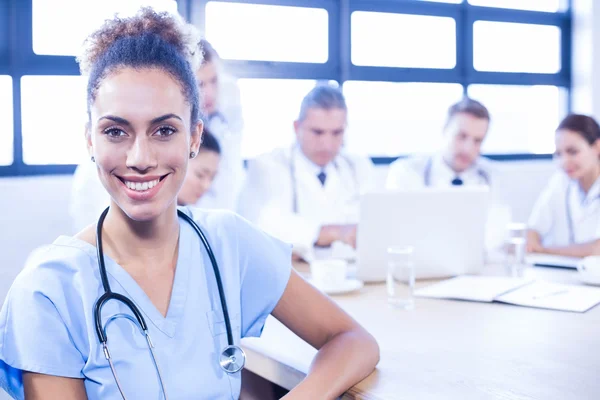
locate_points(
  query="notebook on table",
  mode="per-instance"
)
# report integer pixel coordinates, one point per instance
(516, 291)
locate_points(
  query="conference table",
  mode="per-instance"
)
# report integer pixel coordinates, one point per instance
(447, 349)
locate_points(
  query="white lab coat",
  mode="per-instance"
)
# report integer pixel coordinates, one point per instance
(227, 127)
(550, 214)
(410, 173)
(267, 198)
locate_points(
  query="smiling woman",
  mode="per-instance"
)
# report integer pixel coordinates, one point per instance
(565, 219)
(142, 265)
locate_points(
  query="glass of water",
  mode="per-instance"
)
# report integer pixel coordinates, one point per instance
(400, 277)
(515, 249)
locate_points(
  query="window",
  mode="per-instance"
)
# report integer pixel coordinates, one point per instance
(61, 26)
(270, 107)
(403, 40)
(4, 30)
(523, 118)
(53, 119)
(388, 119)
(510, 47)
(533, 5)
(270, 33)
(401, 65)
(6, 120)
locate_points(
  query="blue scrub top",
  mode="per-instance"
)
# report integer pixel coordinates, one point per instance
(47, 322)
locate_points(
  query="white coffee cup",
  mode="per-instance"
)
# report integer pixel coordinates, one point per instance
(589, 270)
(328, 274)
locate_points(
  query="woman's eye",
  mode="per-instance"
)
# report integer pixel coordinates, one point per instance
(114, 132)
(165, 131)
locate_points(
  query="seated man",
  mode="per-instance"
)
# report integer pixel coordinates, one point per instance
(458, 162)
(89, 198)
(308, 194)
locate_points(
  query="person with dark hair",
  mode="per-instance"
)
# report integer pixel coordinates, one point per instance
(308, 194)
(153, 301)
(201, 171)
(566, 217)
(458, 162)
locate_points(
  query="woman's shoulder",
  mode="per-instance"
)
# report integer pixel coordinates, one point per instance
(47, 268)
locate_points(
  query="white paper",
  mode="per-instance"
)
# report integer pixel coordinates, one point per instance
(473, 288)
(553, 296)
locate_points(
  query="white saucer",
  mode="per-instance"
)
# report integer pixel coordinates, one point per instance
(349, 285)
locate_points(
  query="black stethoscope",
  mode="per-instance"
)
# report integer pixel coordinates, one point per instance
(427, 175)
(295, 181)
(232, 357)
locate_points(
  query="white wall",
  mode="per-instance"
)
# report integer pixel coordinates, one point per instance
(33, 211)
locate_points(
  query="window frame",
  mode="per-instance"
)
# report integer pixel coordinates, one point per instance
(18, 59)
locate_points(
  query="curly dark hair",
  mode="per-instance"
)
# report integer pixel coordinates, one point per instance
(149, 39)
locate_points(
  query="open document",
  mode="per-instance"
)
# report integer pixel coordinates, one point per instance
(517, 291)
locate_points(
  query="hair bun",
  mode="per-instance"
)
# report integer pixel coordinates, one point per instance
(169, 27)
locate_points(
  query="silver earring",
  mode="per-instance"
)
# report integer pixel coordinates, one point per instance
(192, 154)
(93, 159)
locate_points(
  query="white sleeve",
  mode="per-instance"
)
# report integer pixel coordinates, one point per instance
(266, 200)
(542, 218)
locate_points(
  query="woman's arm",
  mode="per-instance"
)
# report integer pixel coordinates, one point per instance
(40, 386)
(575, 250)
(347, 352)
(534, 245)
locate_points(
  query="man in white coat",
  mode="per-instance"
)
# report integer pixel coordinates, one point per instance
(221, 104)
(308, 194)
(458, 163)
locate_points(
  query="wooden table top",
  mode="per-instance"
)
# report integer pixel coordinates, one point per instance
(446, 349)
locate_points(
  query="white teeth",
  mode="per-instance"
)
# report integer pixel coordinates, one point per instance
(141, 186)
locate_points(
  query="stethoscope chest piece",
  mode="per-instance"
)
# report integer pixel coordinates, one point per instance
(232, 359)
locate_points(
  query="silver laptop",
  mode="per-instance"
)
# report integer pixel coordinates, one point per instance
(446, 227)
